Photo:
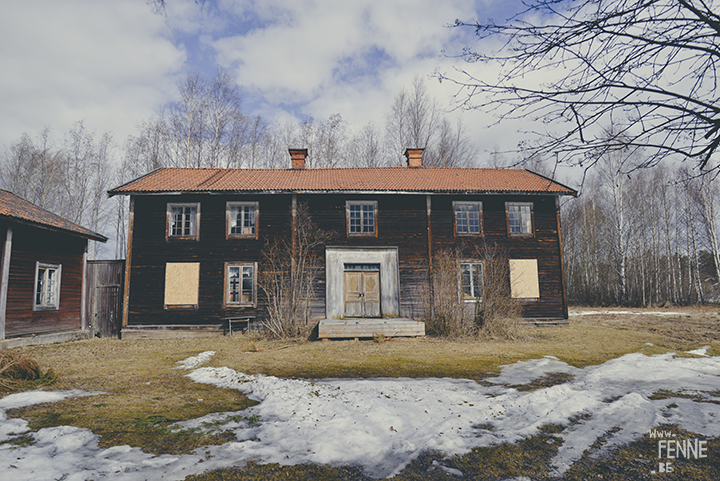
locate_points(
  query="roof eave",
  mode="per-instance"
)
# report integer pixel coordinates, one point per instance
(92, 236)
(343, 191)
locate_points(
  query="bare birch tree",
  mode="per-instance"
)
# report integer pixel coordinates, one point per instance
(648, 68)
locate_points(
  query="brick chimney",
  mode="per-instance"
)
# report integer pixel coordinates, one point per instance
(414, 157)
(297, 157)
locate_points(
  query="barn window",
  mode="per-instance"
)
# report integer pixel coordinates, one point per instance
(471, 281)
(361, 218)
(524, 282)
(182, 282)
(183, 221)
(240, 284)
(519, 218)
(468, 218)
(242, 219)
(47, 286)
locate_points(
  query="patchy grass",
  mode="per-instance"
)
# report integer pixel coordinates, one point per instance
(637, 460)
(144, 394)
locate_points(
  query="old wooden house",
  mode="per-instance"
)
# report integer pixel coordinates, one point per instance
(43, 274)
(196, 237)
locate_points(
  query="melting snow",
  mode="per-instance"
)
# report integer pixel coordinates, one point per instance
(382, 424)
(195, 361)
(700, 351)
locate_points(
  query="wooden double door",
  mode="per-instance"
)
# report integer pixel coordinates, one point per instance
(362, 290)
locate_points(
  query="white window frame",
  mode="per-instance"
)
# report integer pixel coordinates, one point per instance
(529, 220)
(47, 304)
(457, 204)
(170, 221)
(226, 284)
(374, 206)
(231, 223)
(475, 296)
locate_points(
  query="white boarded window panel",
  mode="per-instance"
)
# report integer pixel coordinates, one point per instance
(524, 283)
(182, 280)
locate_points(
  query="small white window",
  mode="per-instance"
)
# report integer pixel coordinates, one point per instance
(471, 281)
(520, 218)
(361, 217)
(240, 284)
(468, 218)
(47, 286)
(242, 219)
(183, 220)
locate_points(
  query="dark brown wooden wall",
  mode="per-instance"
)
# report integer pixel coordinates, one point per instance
(30, 245)
(402, 223)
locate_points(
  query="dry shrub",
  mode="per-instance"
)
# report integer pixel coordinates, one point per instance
(287, 278)
(16, 369)
(444, 309)
(494, 315)
(498, 315)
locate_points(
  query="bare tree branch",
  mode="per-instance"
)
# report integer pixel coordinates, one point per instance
(647, 67)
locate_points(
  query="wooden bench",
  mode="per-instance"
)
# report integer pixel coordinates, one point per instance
(233, 323)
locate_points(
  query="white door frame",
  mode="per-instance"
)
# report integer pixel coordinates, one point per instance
(335, 260)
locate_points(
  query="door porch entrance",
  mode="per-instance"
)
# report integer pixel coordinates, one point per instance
(362, 290)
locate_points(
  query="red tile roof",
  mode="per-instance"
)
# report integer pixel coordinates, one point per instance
(381, 179)
(17, 209)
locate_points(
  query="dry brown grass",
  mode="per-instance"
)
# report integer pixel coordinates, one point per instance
(145, 393)
(18, 369)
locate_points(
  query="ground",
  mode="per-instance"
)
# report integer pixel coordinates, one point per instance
(593, 400)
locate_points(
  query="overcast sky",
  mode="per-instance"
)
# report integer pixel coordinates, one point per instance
(114, 63)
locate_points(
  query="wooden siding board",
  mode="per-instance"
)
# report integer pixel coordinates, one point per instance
(401, 223)
(30, 246)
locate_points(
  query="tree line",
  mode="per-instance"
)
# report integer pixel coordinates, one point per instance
(206, 126)
(633, 237)
(642, 237)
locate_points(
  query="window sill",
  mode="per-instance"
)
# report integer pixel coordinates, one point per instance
(241, 236)
(46, 308)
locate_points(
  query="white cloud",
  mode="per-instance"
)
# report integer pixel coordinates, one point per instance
(106, 63)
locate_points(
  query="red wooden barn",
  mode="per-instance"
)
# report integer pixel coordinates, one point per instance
(42, 269)
(196, 237)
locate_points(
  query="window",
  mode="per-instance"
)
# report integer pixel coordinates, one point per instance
(239, 284)
(47, 286)
(467, 218)
(520, 218)
(361, 217)
(182, 281)
(471, 281)
(183, 220)
(242, 219)
(524, 282)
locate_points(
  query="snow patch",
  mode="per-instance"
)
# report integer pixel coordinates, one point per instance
(702, 351)
(383, 424)
(195, 361)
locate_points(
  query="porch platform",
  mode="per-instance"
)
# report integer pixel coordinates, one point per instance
(357, 328)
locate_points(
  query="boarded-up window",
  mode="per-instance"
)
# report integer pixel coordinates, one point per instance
(524, 282)
(182, 280)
